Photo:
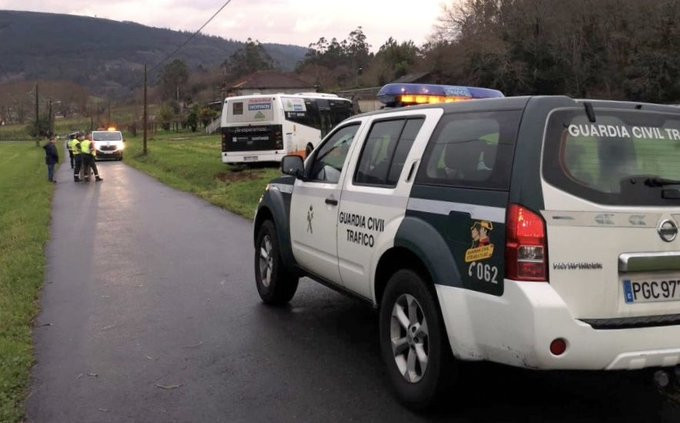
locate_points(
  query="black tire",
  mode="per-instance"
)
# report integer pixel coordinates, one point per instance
(275, 284)
(423, 386)
(308, 150)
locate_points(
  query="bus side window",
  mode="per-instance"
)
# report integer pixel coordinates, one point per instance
(313, 118)
(340, 110)
(237, 108)
(324, 116)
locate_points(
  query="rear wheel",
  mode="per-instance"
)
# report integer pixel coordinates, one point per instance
(308, 150)
(413, 341)
(275, 284)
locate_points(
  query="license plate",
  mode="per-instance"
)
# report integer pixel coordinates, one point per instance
(650, 291)
(249, 158)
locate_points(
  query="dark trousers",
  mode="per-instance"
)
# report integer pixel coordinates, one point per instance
(50, 172)
(70, 155)
(78, 159)
(88, 162)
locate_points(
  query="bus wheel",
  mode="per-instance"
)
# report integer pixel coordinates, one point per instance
(308, 150)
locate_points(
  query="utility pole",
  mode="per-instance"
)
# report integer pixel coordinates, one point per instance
(109, 120)
(146, 124)
(37, 118)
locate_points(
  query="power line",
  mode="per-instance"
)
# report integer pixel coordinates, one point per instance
(190, 38)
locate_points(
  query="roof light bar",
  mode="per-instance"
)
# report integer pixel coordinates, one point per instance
(408, 94)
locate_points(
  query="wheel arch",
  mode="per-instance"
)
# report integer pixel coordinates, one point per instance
(391, 261)
(309, 148)
(273, 207)
(263, 214)
(422, 246)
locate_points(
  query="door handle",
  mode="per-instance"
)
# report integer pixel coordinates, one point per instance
(410, 172)
(331, 201)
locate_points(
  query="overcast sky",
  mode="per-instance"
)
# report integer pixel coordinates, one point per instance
(282, 21)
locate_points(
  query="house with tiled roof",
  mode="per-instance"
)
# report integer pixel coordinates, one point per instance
(269, 82)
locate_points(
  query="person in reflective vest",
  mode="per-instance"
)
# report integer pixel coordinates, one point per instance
(77, 157)
(88, 153)
(71, 152)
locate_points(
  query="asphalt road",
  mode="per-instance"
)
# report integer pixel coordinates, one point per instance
(150, 314)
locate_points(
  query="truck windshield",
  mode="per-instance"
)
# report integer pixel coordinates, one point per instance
(624, 158)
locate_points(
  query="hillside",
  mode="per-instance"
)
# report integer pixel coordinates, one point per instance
(105, 56)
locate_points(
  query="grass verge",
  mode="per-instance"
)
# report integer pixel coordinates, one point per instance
(191, 163)
(25, 198)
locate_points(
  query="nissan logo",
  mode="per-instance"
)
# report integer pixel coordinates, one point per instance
(668, 230)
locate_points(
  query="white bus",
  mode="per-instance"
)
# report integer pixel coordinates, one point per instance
(266, 127)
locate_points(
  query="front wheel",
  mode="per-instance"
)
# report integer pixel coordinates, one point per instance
(413, 340)
(275, 284)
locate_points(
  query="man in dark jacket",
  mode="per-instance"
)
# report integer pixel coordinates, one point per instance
(51, 158)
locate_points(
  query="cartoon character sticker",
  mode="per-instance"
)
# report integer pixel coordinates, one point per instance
(481, 248)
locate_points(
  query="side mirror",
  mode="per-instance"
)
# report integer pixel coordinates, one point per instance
(293, 165)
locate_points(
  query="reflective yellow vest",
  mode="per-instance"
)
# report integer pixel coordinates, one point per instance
(74, 146)
(85, 146)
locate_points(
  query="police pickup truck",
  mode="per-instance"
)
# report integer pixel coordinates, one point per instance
(539, 232)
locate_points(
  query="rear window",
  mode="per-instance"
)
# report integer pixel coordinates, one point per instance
(107, 136)
(623, 158)
(254, 110)
(471, 150)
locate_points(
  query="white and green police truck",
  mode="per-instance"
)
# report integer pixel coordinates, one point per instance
(538, 232)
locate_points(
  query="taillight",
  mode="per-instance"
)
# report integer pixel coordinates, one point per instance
(224, 141)
(278, 138)
(526, 250)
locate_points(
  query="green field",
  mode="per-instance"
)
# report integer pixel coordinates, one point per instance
(188, 162)
(192, 163)
(24, 230)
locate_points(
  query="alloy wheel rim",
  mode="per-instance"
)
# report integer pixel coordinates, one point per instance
(409, 338)
(266, 261)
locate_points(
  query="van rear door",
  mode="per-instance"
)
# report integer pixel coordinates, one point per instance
(612, 208)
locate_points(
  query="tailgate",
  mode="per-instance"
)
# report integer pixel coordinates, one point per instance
(612, 265)
(611, 188)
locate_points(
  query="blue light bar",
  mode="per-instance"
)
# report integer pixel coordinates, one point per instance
(390, 93)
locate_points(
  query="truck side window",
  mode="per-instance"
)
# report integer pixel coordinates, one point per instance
(329, 159)
(472, 150)
(385, 150)
(408, 135)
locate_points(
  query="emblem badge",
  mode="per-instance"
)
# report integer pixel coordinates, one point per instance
(668, 230)
(310, 217)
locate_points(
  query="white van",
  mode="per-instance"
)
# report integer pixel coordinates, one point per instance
(108, 144)
(264, 128)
